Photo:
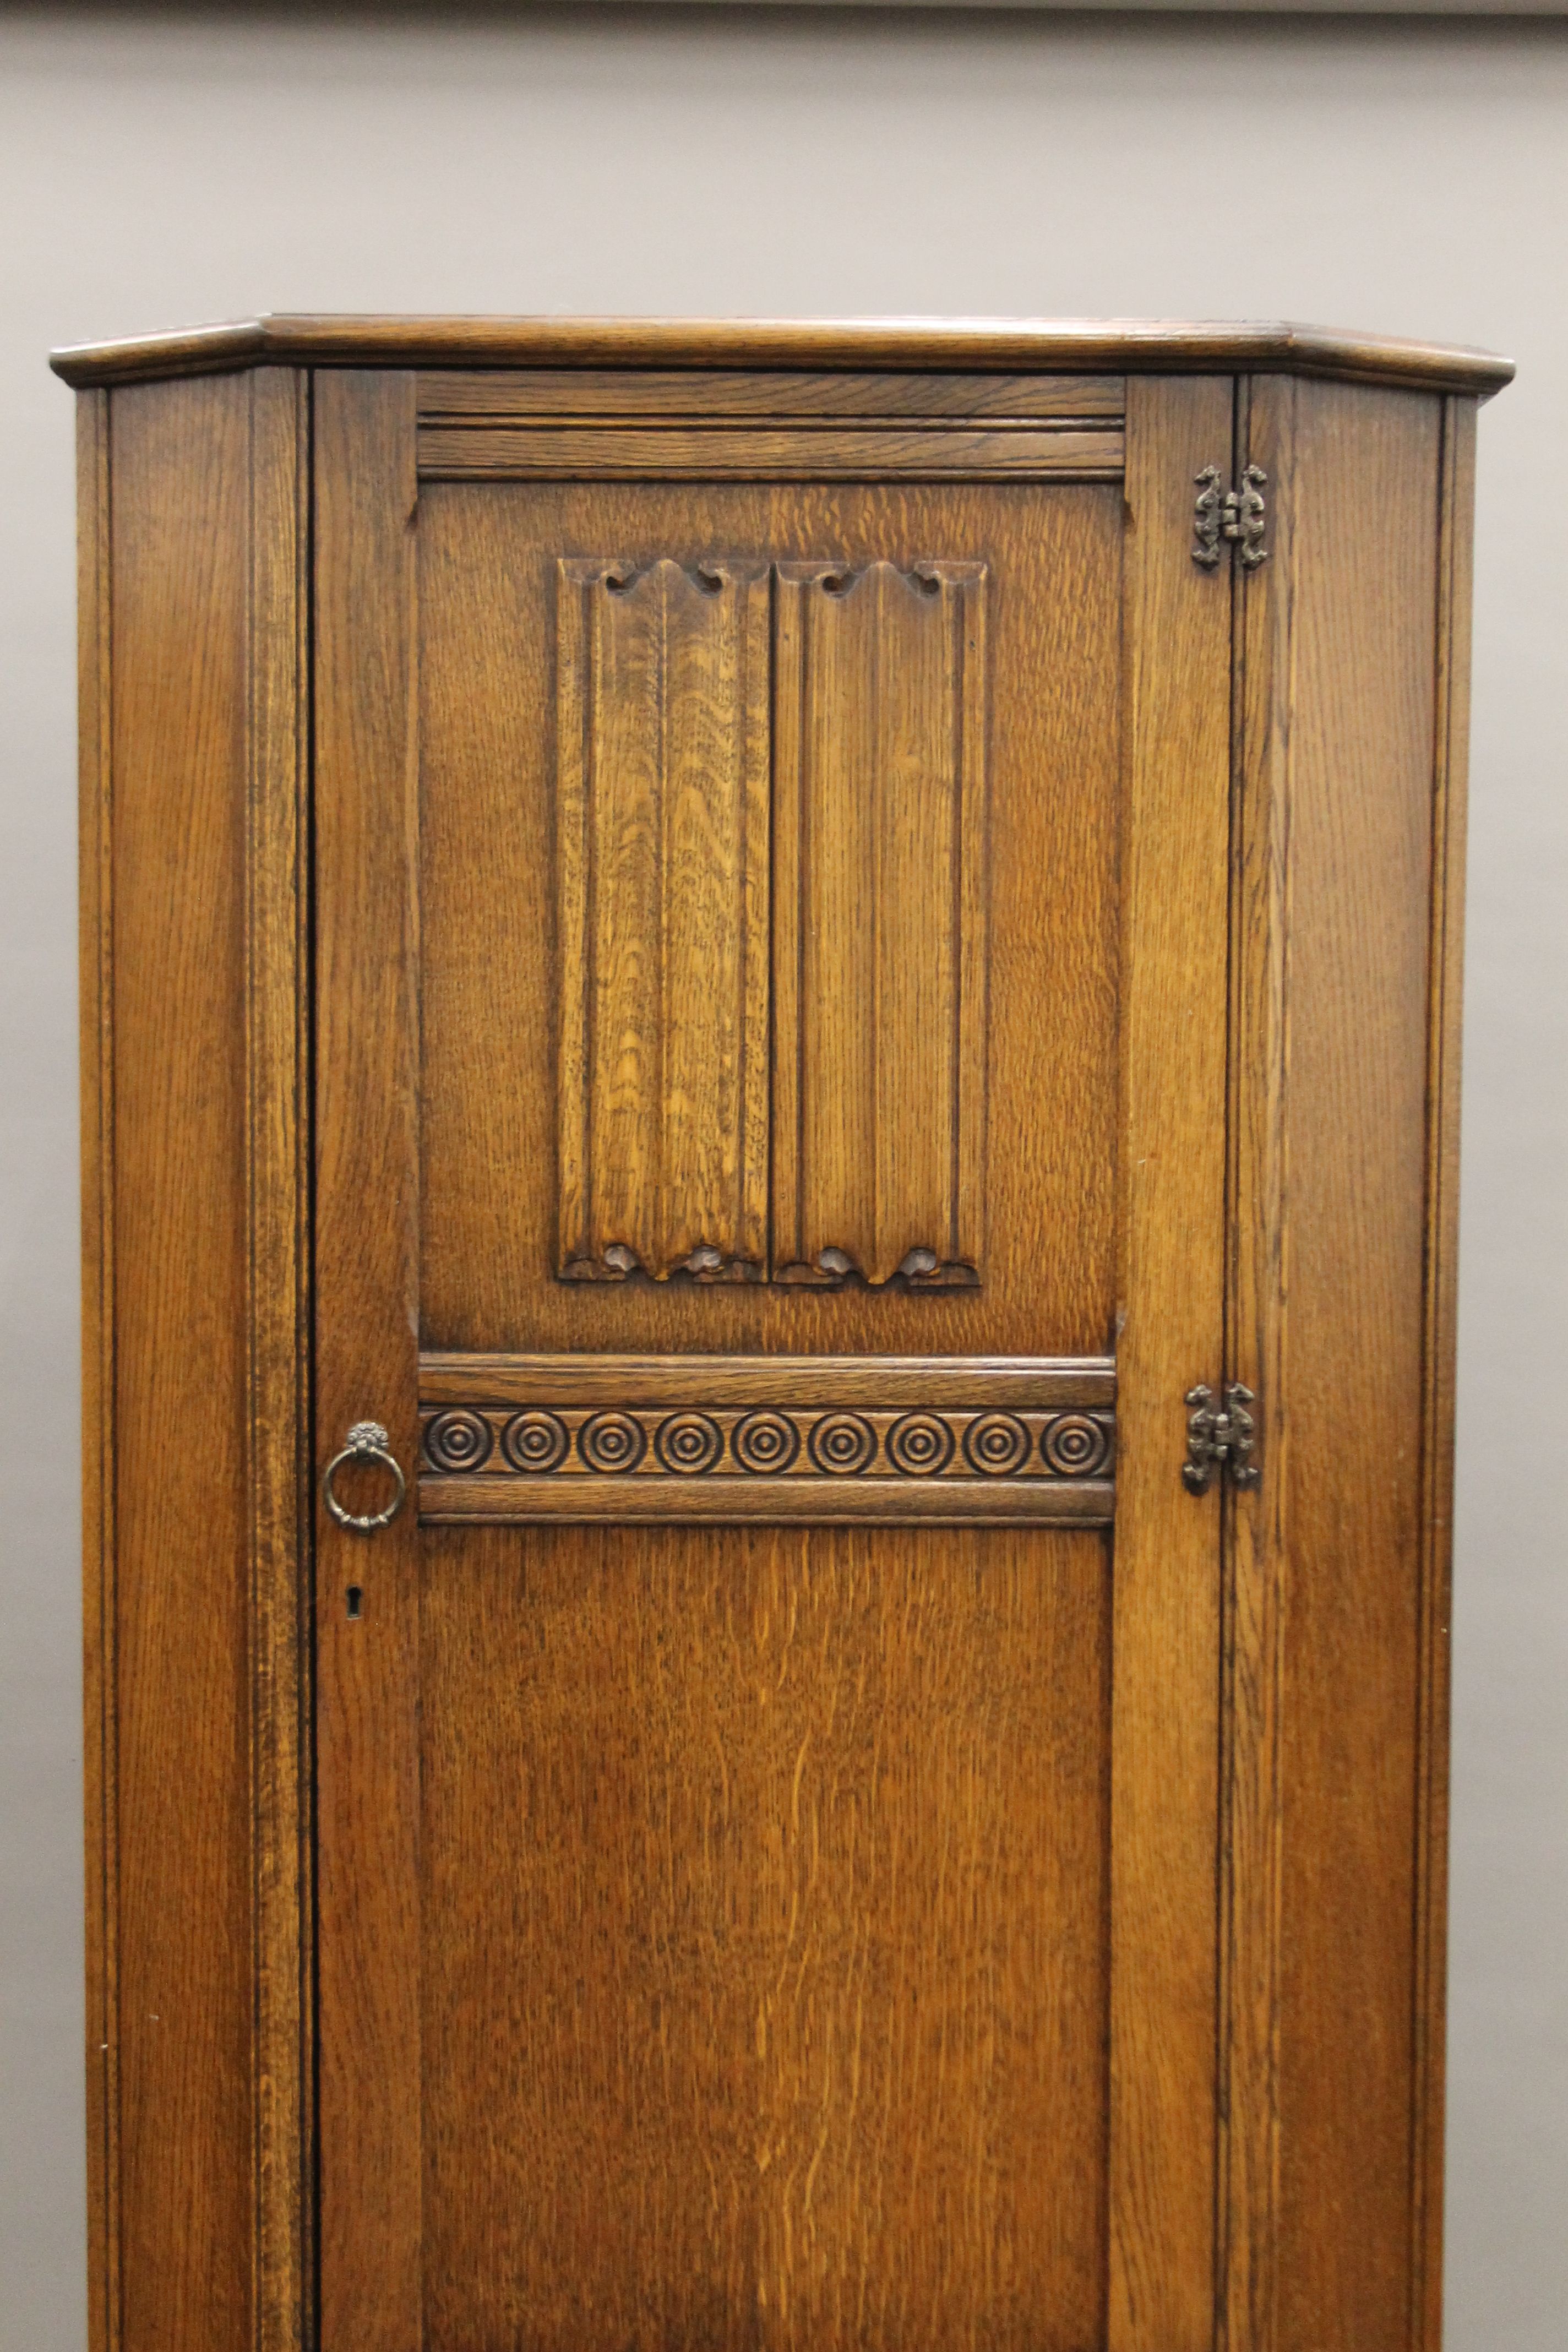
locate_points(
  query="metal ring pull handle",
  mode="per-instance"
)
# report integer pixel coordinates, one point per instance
(367, 1441)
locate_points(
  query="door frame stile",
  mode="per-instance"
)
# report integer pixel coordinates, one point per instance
(277, 1423)
(366, 1358)
(1165, 1743)
(1256, 1294)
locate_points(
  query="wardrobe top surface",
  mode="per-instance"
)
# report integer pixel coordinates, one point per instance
(1121, 345)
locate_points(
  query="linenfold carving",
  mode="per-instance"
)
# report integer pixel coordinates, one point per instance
(662, 712)
(771, 842)
(879, 921)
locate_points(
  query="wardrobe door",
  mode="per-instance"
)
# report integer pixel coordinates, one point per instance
(770, 916)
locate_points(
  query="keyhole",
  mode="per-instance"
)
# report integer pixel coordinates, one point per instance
(355, 1600)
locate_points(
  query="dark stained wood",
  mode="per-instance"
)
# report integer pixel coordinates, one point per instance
(180, 1999)
(1163, 345)
(1165, 1638)
(643, 453)
(565, 395)
(366, 1277)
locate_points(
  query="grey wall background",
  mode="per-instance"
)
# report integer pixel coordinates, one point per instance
(1395, 175)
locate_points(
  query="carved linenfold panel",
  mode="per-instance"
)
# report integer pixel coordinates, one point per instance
(662, 894)
(766, 1438)
(879, 923)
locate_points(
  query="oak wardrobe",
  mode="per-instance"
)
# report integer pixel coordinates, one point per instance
(770, 1059)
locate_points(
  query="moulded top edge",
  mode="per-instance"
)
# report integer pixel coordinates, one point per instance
(1124, 344)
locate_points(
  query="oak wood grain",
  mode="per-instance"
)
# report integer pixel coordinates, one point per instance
(639, 453)
(1164, 1728)
(99, 1610)
(366, 1277)
(487, 936)
(935, 1926)
(773, 2013)
(278, 1429)
(488, 1089)
(181, 2002)
(662, 760)
(569, 394)
(879, 923)
(1170, 346)
(1456, 551)
(1257, 1525)
(655, 1501)
(1362, 763)
(999, 1383)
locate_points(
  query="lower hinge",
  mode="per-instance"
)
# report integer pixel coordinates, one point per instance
(1240, 515)
(1220, 1440)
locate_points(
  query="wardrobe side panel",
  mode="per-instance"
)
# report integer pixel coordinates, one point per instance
(1363, 490)
(173, 1841)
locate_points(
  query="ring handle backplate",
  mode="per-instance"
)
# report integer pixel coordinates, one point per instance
(366, 1442)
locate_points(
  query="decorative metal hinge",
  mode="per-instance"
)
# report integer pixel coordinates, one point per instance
(1240, 515)
(1219, 1440)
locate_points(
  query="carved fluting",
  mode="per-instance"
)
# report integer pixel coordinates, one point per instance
(765, 1441)
(879, 923)
(662, 708)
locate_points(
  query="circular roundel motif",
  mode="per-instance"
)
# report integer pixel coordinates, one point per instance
(919, 1445)
(689, 1442)
(534, 1441)
(457, 1441)
(765, 1444)
(1074, 1445)
(842, 1444)
(612, 1441)
(996, 1444)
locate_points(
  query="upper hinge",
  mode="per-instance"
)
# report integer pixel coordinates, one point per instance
(1240, 515)
(1220, 1439)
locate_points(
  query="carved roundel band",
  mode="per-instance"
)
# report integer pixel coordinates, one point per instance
(612, 1442)
(534, 1442)
(921, 1445)
(996, 1444)
(688, 1443)
(457, 1441)
(1074, 1445)
(765, 1443)
(842, 1444)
